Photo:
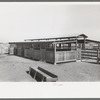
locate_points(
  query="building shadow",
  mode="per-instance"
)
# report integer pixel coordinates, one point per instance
(27, 72)
(90, 62)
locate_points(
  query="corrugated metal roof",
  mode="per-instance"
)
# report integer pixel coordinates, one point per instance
(52, 40)
(57, 38)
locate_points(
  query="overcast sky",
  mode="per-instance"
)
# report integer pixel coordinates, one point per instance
(19, 21)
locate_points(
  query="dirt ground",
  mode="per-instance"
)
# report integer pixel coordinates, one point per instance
(13, 69)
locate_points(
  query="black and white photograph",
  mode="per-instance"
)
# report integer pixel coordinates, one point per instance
(49, 42)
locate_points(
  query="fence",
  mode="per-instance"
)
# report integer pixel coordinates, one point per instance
(4, 48)
(93, 54)
(65, 56)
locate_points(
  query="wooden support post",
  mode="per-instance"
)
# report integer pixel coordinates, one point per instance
(69, 46)
(81, 55)
(54, 54)
(33, 50)
(98, 56)
(99, 46)
(76, 49)
(76, 44)
(40, 52)
(84, 43)
(60, 46)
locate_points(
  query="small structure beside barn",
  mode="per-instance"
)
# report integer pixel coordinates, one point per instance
(4, 48)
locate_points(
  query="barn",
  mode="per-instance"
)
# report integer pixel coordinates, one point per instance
(52, 50)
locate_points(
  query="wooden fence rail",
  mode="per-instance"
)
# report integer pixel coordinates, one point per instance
(91, 54)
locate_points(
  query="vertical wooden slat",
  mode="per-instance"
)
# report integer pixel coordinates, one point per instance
(54, 54)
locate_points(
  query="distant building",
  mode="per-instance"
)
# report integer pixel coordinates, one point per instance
(4, 47)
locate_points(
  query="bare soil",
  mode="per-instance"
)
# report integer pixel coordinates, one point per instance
(14, 69)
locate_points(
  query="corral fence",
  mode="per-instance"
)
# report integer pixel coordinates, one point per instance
(93, 54)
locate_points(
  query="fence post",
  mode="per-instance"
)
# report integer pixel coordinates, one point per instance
(81, 55)
(54, 54)
(76, 50)
(98, 56)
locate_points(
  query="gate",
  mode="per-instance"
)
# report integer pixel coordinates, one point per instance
(78, 55)
(93, 54)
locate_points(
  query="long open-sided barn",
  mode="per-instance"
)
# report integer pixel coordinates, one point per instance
(53, 50)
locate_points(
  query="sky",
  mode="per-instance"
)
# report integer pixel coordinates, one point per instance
(19, 21)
